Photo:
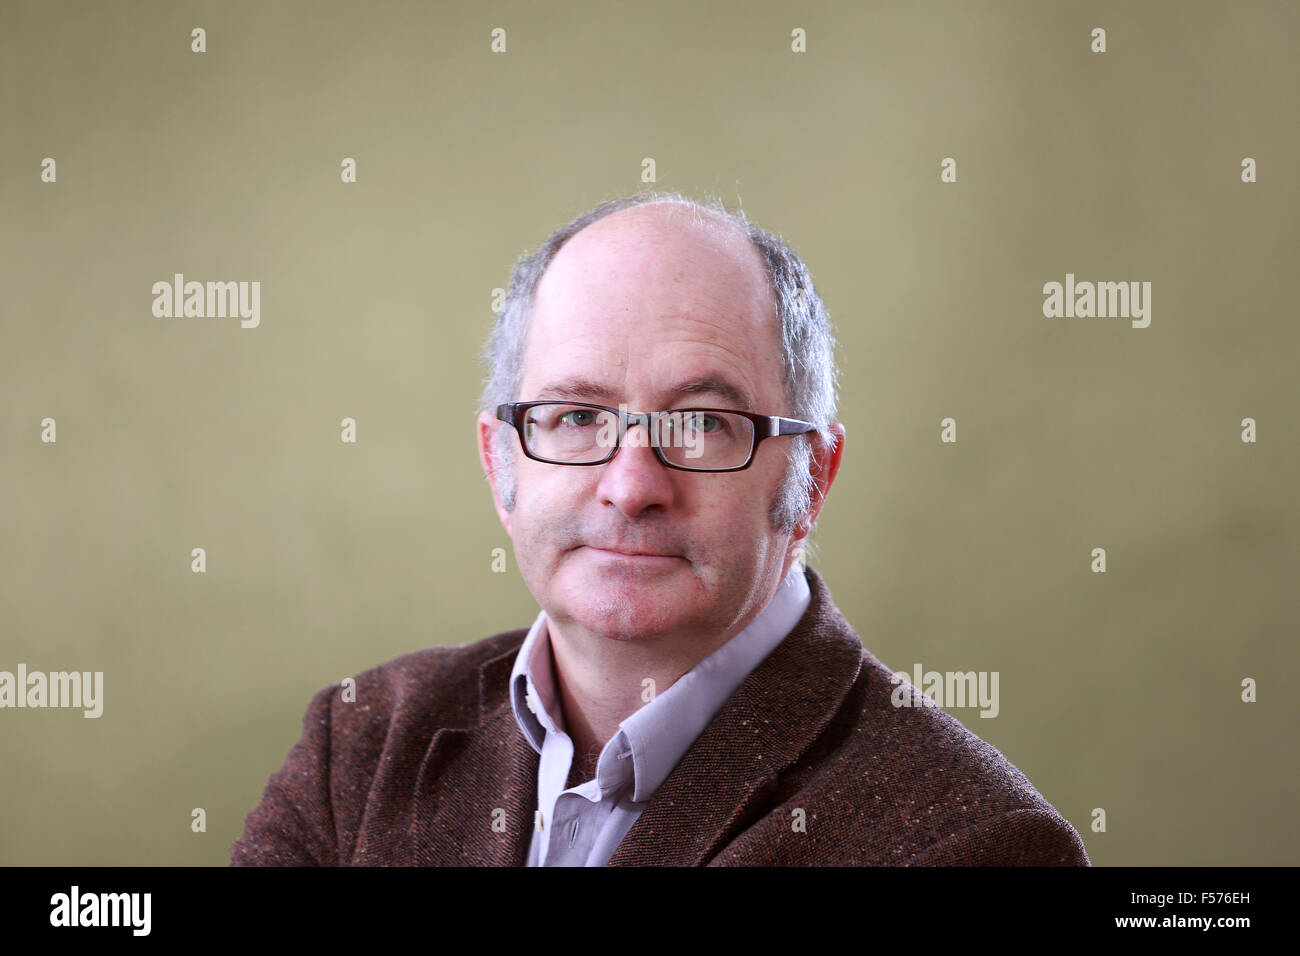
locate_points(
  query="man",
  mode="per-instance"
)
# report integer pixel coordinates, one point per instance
(658, 432)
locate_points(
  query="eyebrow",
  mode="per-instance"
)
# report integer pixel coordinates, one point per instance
(581, 389)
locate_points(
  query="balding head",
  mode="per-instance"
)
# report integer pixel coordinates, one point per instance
(804, 341)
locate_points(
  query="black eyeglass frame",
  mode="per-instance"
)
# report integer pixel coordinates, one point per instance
(765, 426)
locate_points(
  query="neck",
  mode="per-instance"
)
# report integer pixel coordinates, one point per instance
(602, 682)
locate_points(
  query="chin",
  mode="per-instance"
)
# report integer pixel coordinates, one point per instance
(627, 612)
(626, 600)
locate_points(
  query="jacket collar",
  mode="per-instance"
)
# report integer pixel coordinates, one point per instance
(475, 790)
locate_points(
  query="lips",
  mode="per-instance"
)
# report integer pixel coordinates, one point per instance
(629, 552)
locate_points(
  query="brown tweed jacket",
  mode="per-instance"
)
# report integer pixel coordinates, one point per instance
(427, 767)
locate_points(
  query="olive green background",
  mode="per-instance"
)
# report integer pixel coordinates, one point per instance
(1119, 691)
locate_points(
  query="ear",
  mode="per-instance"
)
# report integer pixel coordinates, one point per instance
(487, 426)
(824, 466)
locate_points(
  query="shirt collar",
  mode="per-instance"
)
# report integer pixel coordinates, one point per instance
(657, 735)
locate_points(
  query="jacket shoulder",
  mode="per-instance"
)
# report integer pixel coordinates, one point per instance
(439, 684)
(361, 740)
(894, 782)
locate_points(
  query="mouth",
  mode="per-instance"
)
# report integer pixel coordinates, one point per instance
(637, 556)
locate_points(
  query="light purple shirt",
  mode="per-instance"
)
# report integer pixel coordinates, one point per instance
(582, 826)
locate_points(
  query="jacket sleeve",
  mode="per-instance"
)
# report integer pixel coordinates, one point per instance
(1025, 837)
(294, 823)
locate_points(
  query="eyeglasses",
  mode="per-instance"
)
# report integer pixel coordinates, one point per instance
(690, 439)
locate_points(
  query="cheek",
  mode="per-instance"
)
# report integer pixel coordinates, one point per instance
(737, 516)
(547, 511)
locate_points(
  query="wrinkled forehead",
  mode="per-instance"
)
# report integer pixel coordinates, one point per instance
(648, 304)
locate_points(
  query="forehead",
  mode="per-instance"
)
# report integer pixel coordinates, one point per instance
(649, 302)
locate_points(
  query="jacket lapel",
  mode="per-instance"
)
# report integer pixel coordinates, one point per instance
(475, 789)
(721, 783)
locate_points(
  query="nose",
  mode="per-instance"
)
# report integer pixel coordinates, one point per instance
(635, 480)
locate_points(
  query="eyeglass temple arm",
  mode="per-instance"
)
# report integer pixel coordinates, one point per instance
(788, 426)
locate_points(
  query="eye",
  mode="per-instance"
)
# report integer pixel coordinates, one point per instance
(579, 417)
(704, 422)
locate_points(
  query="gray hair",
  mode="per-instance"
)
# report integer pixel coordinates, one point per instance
(808, 345)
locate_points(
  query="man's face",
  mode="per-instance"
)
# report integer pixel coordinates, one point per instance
(635, 309)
